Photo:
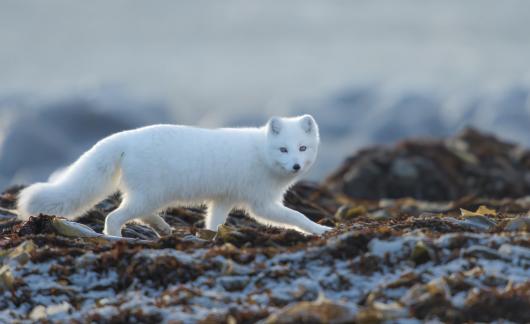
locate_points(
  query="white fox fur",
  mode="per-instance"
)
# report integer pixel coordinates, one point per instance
(162, 165)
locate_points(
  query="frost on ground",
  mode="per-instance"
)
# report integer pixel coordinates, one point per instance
(386, 260)
(408, 265)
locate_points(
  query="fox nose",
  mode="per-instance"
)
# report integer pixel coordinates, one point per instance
(296, 167)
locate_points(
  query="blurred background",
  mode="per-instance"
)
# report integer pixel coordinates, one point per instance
(72, 72)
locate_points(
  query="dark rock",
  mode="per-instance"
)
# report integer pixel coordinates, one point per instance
(472, 163)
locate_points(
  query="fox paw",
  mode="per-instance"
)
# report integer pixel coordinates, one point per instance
(320, 229)
(162, 230)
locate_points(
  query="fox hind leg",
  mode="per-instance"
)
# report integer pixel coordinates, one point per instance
(158, 223)
(129, 209)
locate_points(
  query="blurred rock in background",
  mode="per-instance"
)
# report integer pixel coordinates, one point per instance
(371, 72)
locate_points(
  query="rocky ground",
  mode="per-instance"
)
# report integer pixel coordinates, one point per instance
(425, 230)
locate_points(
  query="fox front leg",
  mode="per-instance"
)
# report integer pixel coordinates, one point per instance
(279, 215)
(217, 214)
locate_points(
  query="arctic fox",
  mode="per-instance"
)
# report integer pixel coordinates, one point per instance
(159, 166)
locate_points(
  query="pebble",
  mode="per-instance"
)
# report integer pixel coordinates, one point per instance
(518, 224)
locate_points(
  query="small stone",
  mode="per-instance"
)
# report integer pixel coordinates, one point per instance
(7, 215)
(406, 280)
(206, 234)
(229, 234)
(234, 283)
(22, 253)
(233, 268)
(56, 309)
(193, 238)
(380, 312)
(348, 212)
(483, 252)
(387, 203)
(72, 229)
(421, 253)
(518, 224)
(6, 278)
(38, 313)
(320, 311)
(381, 214)
(431, 298)
(479, 222)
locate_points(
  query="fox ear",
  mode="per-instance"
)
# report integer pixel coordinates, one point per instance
(308, 123)
(275, 125)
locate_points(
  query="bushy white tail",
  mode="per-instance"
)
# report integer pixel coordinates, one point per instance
(90, 179)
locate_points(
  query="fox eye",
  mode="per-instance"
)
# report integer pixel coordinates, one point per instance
(303, 148)
(283, 149)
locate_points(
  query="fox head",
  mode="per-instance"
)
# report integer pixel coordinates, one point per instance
(292, 144)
